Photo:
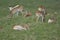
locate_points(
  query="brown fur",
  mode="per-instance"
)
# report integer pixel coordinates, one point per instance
(27, 14)
(14, 10)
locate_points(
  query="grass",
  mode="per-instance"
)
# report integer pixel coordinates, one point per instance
(38, 31)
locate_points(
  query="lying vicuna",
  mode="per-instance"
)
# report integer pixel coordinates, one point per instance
(21, 27)
(27, 13)
(52, 20)
(16, 9)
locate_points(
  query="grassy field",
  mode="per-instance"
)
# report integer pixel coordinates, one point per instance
(38, 31)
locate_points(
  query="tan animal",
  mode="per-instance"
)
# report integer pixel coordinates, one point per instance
(27, 13)
(16, 9)
(21, 27)
(52, 19)
(40, 14)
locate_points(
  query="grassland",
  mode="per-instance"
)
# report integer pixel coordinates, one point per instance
(38, 31)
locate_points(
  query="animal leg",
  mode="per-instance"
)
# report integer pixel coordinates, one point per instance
(17, 13)
(43, 18)
(37, 19)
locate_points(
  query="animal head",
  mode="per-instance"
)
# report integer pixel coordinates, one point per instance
(10, 8)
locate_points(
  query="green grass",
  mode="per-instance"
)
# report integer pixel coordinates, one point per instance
(38, 31)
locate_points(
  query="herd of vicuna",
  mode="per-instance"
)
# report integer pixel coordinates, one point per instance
(40, 13)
